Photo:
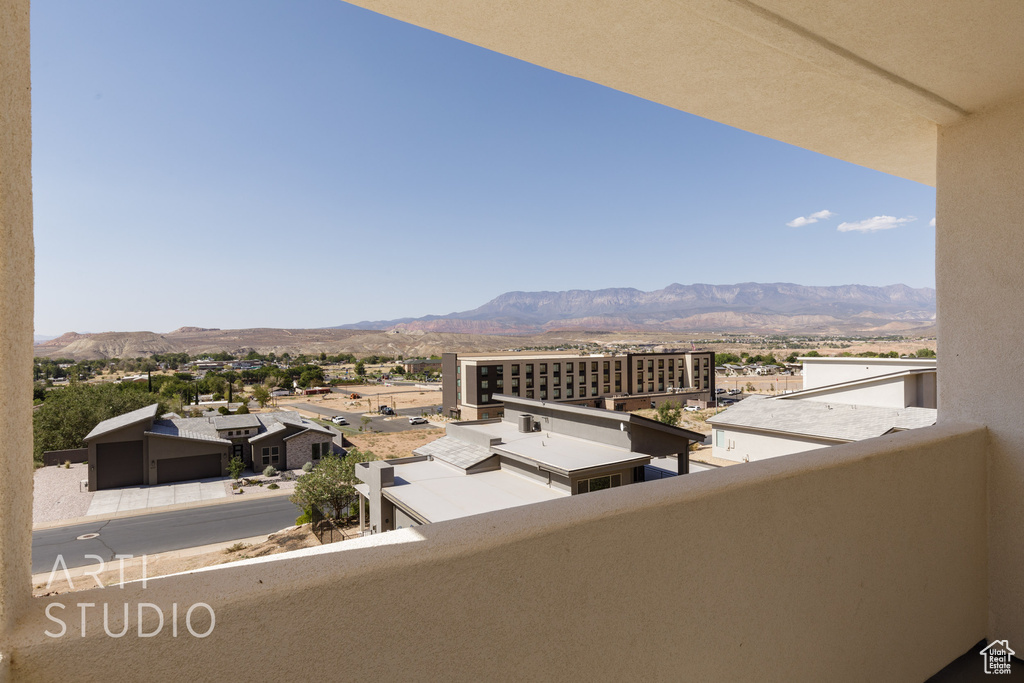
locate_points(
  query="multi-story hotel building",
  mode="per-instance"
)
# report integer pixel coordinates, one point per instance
(626, 381)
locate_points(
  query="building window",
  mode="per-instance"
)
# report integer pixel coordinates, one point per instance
(593, 392)
(719, 438)
(556, 368)
(607, 389)
(557, 393)
(543, 394)
(231, 433)
(499, 383)
(598, 483)
(515, 368)
(543, 368)
(568, 392)
(661, 362)
(483, 371)
(650, 387)
(593, 366)
(529, 383)
(500, 369)
(618, 365)
(639, 365)
(484, 416)
(529, 369)
(483, 398)
(483, 384)
(515, 384)
(321, 449)
(529, 393)
(583, 368)
(650, 365)
(671, 363)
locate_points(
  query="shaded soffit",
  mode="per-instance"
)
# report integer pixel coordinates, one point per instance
(866, 81)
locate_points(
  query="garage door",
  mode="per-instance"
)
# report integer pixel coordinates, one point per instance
(118, 464)
(188, 468)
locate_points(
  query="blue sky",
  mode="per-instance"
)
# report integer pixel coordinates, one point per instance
(280, 164)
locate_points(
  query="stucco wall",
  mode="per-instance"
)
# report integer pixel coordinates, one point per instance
(820, 372)
(865, 562)
(749, 445)
(980, 281)
(892, 394)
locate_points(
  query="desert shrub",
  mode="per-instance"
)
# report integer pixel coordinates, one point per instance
(67, 464)
(236, 547)
(273, 486)
(271, 471)
(223, 410)
(304, 518)
(235, 467)
(308, 467)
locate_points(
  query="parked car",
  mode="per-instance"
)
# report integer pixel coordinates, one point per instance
(691, 409)
(339, 420)
(417, 420)
(386, 410)
(719, 390)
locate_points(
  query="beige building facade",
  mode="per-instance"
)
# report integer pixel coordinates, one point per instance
(884, 560)
(600, 381)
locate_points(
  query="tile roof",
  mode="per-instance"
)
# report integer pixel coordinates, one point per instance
(455, 452)
(162, 428)
(840, 421)
(125, 420)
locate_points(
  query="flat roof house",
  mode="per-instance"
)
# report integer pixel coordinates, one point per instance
(137, 449)
(883, 559)
(881, 398)
(537, 451)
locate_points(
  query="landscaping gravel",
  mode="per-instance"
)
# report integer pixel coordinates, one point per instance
(58, 493)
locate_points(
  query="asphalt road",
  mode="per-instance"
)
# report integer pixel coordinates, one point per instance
(377, 422)
(157, 533)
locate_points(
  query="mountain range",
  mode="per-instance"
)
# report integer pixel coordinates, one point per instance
(744, 307)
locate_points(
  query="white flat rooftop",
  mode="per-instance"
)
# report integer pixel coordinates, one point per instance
(556, 451)
(437, 492)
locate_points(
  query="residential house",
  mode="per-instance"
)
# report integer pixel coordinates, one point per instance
(878, 397)
(537, 451)
(138, 449)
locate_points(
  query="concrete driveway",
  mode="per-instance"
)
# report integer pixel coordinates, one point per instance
(139, 498)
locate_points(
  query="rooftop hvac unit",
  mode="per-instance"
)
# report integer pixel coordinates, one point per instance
(526, 423)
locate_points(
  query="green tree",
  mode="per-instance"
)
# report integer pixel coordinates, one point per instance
(925, 353)
(330, 486)
(235, 467)
(261, 394)
(242, 410)
(669, 413)
(361, 368)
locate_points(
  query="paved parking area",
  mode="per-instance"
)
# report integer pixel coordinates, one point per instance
(142, 497)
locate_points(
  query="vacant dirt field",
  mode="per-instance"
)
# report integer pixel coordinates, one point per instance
(396, 444)
(372, 394)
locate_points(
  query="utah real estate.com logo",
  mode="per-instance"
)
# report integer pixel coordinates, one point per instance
(997, 657)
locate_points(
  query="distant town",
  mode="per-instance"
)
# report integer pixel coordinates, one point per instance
(341, 445)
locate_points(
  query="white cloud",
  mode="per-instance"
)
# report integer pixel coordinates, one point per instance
(801, 221)
(932, 222)
(875, 224)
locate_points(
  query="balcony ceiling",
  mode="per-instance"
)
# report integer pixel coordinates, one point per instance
(866, 81)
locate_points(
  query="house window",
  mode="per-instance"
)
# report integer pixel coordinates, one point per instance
(598, 483)
(484, 416)
(719, 438)
(321, 449)
(231, 433)
(271, 455)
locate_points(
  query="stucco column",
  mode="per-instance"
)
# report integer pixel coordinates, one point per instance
(16, 300)
(979, 268)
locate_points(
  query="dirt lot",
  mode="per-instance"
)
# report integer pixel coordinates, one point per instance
(395, 444)
(372, 394)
